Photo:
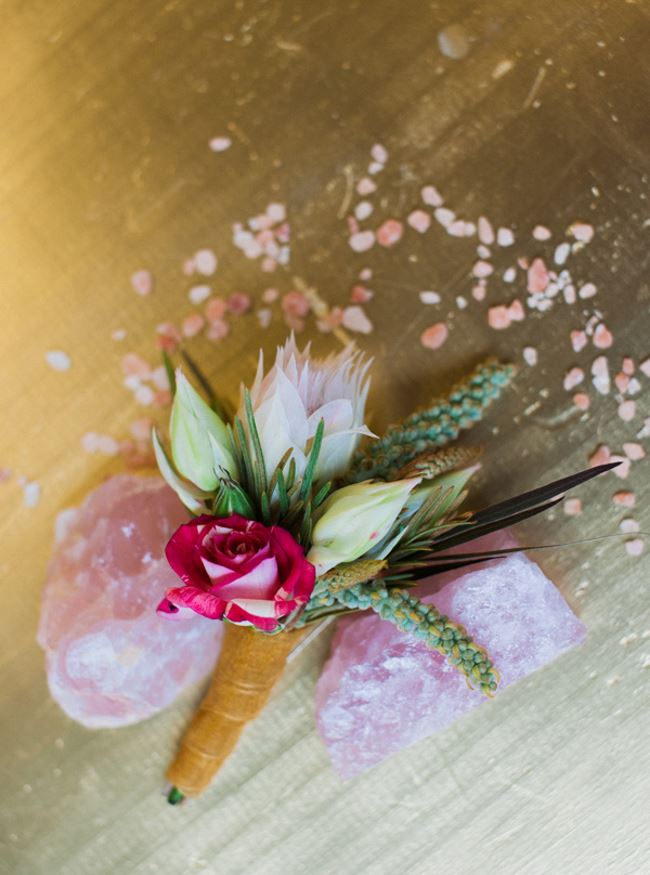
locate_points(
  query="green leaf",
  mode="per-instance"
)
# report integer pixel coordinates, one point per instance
(222, 409)
(312, 460)
(169, 370)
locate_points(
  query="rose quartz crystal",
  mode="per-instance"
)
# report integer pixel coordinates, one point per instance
(383, 690)
(111, 659)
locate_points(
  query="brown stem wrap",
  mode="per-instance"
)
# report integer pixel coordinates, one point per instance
(249, 665)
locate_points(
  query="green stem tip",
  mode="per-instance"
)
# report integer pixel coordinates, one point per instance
(175, 797)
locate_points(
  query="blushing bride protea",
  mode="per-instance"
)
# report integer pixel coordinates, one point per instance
(291, 399)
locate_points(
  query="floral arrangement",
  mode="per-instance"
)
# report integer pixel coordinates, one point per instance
(299, 513)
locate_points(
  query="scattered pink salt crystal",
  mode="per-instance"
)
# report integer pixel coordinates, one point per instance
(505, 237)
(485, 231)
(444, 216)
(431, 196)
(216, 309)
(581, 231)
(239, 303)
(199, 294)
(509, 275)
(365, 187)
(516, 311)
(31, 492)
(453, 41)
(478, 292)
(601, 456)
(573, 378)
(600, 375)
(634, 546)
(361, 295)
(457, 228)
(91, 442)
(168, 336)
(141, 429)
(581, 401)
(498, 317)
(623, 468)
(192, 325)
(587, 290)
(537, 277)
(382, 690)
(541, 232)
(144, 395)
(645, 366)
(434, 336)
(58, 360)
(362, 210)
(429, 297)
(561, 253)
(419, 220)
(142, 282)
(629, 526)
(111, 659)
(264, 317)
(633, 451)
(134, 365)
(362, 241)
(295, 303)
(628, 366)
(217, 330)
(627, 410)
(572, 506)
(270, 295)
(622, 382)
(390, 232)
(482, 269)
(355, 319)
(602, 338)
(220, 144)
(530, 355)
(624, 498)
(205, 262)
(118, 334)
(379, 153)
(569, 294)
(578, 340)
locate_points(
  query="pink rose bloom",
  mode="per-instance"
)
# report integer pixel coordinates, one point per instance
(238, 570)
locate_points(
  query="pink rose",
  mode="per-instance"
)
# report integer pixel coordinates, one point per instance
(238, 570)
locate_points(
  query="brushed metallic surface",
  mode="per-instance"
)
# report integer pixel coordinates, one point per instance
(107, 110)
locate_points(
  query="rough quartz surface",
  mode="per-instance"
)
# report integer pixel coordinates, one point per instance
(382, 690)
(111, 659)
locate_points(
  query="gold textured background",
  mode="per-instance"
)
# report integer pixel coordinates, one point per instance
(106, 111)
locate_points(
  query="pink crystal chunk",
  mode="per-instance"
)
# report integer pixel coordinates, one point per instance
(111, 659)
(382, 690)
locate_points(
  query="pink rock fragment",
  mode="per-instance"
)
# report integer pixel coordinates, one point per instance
(530, 355)
(541, 232)
(582, 231)
(499, 317)
(537, 277)
(142, 282)
(573, 378)
(572, 507)
(624, 498)
(192, 325)
(390, 232)
(603, 338)
(485, 231)
(434, 336)
(645, 367)
(362, 241)
(355, 319)
(578, 340)
(505, 237)
(383, 690)
(220, 144)
(431, 196)
(111, 659)
(627, 410)
(582, 401)
(633, 451)
(482, 269)
(634, 546)
(419, 220)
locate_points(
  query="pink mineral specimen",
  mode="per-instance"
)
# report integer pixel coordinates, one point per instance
(382, 690)
(111, 659)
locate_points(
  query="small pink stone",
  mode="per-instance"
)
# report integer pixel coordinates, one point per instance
(622, 382)
(516, 311)
(159, 377)
(561, 253)
(627, 410)
(192, 325)
(217, 330)
(624, 498)
(578, 340)
(485, 231)
(205, 262)
(220, 144)
(390, 232)
(603, 338)
(419, 221)
(142, 282)
(537, 277)
(601, 456)
(134, 365)
(600, 375)
(633, 451)
(295, 303)
(541, 232)
(587, 290)
(581, 401)
(239, 303)
(572, 507)
(264, 317)
(216, 309)
(362, 210)
(270, 295)
(505, 237)
(635, 546)
(628, 366)
(581, 231)
(144, 395)
(362, 241)
(444, 216)
(629, 526)
(573, 378)
(361, 295)
(645, 367)
(623, 469)
(168, 336)
(355, 319)
(199, 294)
(141, 429)
(429, 297)
(456, 229)
(434, 336)
(431, 196)
(365, 186)
(482, 269)
(478, 292)
(379, 153)
(498, 317)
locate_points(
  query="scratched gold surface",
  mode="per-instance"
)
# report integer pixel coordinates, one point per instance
(107, 110)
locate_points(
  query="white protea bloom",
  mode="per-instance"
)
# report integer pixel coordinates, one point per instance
(291, 399)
